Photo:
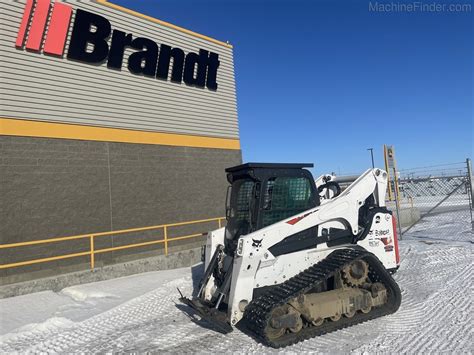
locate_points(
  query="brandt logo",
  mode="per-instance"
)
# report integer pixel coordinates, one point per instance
(89, 44)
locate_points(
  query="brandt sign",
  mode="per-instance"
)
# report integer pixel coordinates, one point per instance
(89, 44)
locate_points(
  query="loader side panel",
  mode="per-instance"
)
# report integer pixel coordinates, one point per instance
(381, 240)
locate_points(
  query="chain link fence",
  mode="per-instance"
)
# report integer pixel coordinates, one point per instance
(435, 198)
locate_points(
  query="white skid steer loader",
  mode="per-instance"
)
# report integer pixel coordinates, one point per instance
(287, 267)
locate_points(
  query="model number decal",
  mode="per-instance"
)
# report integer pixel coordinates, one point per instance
(379, 233)
(374, 243)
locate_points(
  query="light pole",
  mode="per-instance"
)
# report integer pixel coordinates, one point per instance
(372, 156)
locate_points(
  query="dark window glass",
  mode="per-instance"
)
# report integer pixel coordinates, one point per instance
(285, 197)
(243, 196)
(238, 222)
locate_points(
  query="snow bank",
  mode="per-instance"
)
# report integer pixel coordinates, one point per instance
(51, 325)
(81, 295)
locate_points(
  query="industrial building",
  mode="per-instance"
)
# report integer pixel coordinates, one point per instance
(110, 120)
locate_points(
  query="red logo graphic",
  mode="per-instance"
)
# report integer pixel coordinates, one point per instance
(33, 23)
(387, 241)
(295, 220)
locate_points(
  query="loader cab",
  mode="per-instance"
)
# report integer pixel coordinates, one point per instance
(262, 194)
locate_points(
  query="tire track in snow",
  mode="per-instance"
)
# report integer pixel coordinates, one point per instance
(436, 306)
(130, 314)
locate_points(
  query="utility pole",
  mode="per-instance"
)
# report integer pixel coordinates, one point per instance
(372, 156)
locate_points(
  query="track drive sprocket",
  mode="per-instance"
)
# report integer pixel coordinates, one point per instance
(356, 273)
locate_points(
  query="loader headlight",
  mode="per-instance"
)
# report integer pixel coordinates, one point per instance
(240, 247)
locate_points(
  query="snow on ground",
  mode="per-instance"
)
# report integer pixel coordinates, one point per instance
(450, 226)
(140, 312)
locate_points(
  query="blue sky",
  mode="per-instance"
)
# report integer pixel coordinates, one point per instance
(322, 81)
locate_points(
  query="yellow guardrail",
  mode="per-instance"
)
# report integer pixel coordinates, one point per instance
(91, 236)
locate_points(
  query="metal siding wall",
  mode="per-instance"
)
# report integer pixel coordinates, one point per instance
(41, 87)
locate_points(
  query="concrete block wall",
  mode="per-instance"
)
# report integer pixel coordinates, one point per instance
(60, 187)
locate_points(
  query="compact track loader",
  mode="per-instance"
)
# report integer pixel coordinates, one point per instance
(289, 266)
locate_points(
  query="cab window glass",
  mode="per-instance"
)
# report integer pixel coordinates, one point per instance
(285, 197)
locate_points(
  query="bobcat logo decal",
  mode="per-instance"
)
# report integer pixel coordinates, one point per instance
(257, 243)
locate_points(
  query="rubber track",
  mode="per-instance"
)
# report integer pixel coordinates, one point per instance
(257, 313)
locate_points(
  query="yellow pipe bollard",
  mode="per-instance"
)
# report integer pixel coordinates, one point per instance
(92, 252)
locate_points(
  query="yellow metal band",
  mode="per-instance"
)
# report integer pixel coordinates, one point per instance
(26, 128)
(163, 23)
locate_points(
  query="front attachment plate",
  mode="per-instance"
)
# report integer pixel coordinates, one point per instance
(217, 319)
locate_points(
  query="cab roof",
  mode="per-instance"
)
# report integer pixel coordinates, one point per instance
(248, 166)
